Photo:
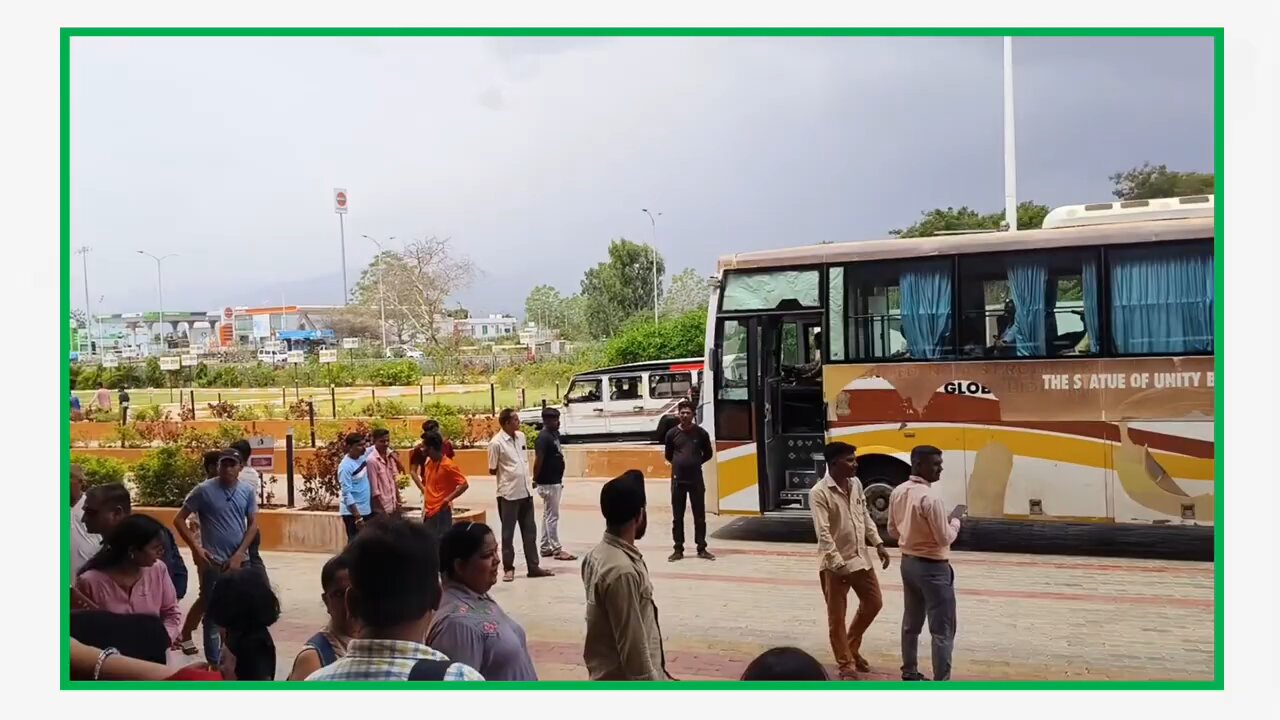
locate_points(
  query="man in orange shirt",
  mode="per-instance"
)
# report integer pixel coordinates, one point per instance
(918, 518)
(444, 483)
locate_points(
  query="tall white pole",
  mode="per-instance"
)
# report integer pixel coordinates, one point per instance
(160, 288)
(1010, 163)
(654, 246)
(382, 304)
(83, 252)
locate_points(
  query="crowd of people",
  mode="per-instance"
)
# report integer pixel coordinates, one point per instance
(410, 600)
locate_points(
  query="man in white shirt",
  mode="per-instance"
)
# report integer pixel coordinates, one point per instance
(509, 462)
(84, 544)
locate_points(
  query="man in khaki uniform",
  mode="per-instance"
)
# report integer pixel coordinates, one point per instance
(623, 639)
(846, 533)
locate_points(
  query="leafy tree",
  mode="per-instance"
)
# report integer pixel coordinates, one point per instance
(1030, 216)
(641, 339)
(1158, 181)
(543, 307)
(688, 291)
(620, 288)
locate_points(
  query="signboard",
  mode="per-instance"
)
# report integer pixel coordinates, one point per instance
(328, 356)
(190, 360)
(228, 314)
(110, 361)
(296, 357)
(271, 345)
(170, 362)
(350, 343)
(262, 453)
(340, 201)
(261, 325)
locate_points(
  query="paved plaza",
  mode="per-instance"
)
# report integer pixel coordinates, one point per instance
(1021, 617)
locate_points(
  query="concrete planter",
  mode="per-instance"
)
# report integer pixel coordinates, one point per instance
(285, 530)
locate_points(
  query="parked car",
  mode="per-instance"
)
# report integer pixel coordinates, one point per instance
(626, 402)
(405, 351)
(273, 357)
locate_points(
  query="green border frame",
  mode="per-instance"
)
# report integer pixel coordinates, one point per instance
(66, 34)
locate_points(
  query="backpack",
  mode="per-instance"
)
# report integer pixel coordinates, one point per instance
(323, 648)
(433, 670)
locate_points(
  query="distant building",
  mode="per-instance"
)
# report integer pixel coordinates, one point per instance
(486, 329)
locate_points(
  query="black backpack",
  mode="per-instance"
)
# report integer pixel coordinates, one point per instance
(429, 670)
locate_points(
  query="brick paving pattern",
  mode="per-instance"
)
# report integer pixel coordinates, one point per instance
(1021, 617)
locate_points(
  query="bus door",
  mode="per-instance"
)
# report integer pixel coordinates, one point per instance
(792, 424)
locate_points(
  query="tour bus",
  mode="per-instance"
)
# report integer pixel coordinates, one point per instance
(625, 402)
(1065, 372)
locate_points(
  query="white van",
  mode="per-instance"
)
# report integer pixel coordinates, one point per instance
(626, 402)
(273, 357)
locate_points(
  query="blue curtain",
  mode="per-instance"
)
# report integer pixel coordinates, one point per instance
(1161, 302)
(926, 310)
(1029, 286)
(1092, 318)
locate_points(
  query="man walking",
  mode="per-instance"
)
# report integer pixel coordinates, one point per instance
(548, 480)
(624, 640)
(355, 501)
(102, 398)
(509, 463)
(228, 515)
(925, 533)
(688, 447)
(846, 534)
(253, 480)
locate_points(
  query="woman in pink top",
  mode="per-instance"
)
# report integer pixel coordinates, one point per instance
(128, 577)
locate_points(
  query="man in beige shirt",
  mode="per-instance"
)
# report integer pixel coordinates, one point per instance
(623, 639)
(846, 534)
(918, 518)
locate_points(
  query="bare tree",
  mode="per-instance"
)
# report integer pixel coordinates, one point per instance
(416, 284)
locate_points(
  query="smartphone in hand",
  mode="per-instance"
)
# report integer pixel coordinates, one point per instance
(958, 512)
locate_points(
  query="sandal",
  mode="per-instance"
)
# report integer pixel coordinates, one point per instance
(564, 555)
(188, 647)
(509, 576)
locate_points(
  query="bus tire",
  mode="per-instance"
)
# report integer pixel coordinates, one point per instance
(880, 474)
(664, 426)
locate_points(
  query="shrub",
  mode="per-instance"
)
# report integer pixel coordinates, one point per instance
(165, 476)
(152, 375)
(165, 432)
(187, 413)
(126, 436)
(674, 337)
(383, 409)
(150, 413)
(198, 440)
(229, 432)
(100, 470)
(222, 410)
(397, 372)
(298, 410)
(246, 413)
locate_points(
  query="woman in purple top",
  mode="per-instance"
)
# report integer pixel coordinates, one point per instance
(470, 628)
(127, 575)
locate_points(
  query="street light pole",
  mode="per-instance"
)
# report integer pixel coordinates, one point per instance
(1010, 163)
(382, 303)
(160, 288)
(83, 252)
(654, 225)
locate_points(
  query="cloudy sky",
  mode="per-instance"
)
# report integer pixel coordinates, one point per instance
(532, 153)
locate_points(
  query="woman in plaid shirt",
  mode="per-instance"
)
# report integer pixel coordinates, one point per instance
(395, 590)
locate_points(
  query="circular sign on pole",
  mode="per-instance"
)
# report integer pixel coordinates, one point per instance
(340, 201)
(228, 314)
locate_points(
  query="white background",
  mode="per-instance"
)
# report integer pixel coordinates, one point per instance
(34, 398)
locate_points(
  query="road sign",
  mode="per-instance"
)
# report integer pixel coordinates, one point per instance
(350, 343)
(170, 362)
(297, 357)
(262, 453)
(328, 356)
(340, 201)
(110, 361)
(190, 360)
(228, 314)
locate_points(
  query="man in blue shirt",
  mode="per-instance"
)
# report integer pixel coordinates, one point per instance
(355, 500)
(228, 513)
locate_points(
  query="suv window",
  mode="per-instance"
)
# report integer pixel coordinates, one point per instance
(624, 387)
(584, 390)
(668, 385)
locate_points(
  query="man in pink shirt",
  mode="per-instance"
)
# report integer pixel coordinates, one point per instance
(384, 468)
(918, 518)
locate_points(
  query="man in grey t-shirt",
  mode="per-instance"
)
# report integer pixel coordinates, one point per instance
(228, 513)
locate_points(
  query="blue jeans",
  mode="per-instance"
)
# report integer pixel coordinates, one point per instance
(212, 640)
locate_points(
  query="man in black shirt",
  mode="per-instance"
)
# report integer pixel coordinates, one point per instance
(688, 447)
(548, 480)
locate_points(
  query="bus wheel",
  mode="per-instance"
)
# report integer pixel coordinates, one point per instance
(877, 495)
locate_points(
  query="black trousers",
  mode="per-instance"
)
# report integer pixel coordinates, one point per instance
(512, 513)
(695, 494)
